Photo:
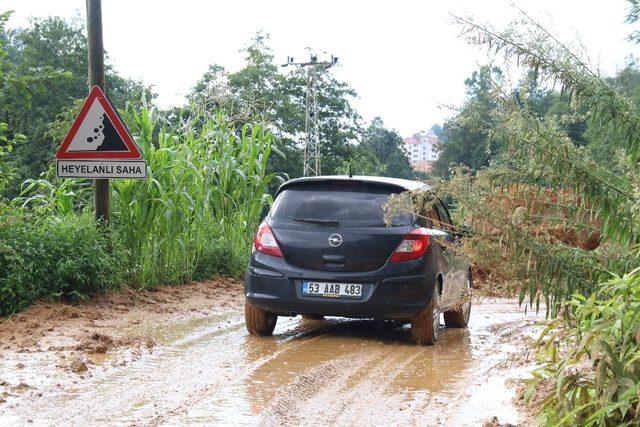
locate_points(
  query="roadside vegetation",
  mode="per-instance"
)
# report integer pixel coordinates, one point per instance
(552, 187)
(191, 219)
(52, 256)
(214, 164)
(552, 203)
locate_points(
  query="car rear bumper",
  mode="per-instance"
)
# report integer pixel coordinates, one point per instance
(396, 291)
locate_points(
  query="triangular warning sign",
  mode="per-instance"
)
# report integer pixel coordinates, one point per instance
(98, 133)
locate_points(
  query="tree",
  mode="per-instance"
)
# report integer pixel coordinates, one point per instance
(385, 145)
(60, 46)
(338, 121)
(602, 145)
(633, 16)
(260, 90)
(438, 131)
(19, 89)
(467, 137)
(252, 92)
(362, 162)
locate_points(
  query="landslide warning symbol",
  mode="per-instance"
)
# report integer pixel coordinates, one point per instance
(98, 133)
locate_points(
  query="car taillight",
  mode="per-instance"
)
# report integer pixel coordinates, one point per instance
(266, 242)
(413, 246)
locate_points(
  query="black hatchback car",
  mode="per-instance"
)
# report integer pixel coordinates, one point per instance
(324, 249)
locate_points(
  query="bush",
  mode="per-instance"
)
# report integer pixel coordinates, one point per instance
(592, 358)
(52, 257)
(221, 256)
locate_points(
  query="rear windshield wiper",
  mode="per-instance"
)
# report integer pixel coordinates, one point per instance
(317, 221)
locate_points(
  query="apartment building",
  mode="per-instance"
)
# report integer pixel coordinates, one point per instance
(422, 150)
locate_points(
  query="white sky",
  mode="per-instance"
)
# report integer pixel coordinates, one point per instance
(404, 58)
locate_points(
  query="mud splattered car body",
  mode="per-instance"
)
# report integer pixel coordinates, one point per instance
(324, 250)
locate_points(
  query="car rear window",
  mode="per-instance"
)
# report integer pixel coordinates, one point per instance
(351, 204)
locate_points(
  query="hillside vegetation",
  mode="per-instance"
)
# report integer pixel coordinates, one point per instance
(558, 215)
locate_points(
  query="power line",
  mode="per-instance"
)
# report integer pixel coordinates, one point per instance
(312, 160)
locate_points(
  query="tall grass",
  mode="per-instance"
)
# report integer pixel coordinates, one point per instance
(206, 189)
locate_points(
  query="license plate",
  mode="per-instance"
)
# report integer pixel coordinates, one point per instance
(332, 290)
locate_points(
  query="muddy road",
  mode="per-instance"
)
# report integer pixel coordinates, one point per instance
(182, 355)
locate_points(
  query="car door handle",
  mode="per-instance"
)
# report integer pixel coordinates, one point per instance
(334, 259)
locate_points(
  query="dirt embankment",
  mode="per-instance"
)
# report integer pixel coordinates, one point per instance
(181, 355)
(80, 333)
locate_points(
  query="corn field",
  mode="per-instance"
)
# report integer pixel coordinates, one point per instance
(193, 217)
(207, 183)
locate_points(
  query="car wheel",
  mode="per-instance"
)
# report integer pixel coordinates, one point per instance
(424, 327)
(258, 321)
(312, 317)
(459, 318)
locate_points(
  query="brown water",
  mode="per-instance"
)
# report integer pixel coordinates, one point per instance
(207, 369)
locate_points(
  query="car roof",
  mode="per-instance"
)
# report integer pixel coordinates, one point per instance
(403, 184)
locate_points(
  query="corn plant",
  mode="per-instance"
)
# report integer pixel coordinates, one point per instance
(206, 182)
(61, 197)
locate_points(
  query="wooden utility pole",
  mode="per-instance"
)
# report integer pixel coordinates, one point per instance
(95, 49)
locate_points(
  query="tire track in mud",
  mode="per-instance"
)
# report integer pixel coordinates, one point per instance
(368, 397)
(291, 405)
(360, 395)
(232, 342)
(357, 385)
(278, 395)
(502, 351)
(382, 388)
(125, 394)
(373, 392)
(299, 336)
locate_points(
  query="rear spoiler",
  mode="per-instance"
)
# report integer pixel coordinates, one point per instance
(399, 184)
(340, 182)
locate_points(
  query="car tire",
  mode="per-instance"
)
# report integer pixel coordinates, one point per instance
(258, 321)
(424, 327)
(312, 317)
(459, 318)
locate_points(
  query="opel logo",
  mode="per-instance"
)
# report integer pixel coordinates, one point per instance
(335, 240)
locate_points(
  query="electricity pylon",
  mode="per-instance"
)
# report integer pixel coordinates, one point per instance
(315, 68)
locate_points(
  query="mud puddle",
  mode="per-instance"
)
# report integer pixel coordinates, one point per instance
(205, 368)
